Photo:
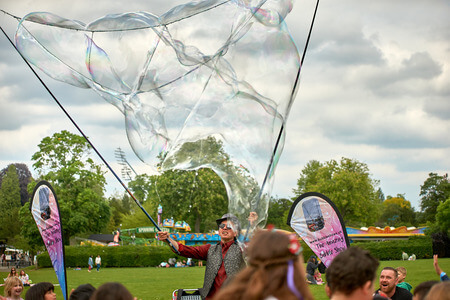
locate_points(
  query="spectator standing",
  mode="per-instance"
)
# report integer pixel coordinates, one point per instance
(90, 263)
(98, 262)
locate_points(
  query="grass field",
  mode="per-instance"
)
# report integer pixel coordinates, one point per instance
(159, 283)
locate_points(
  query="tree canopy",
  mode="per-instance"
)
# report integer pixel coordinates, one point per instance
(434, 191)
(64, 160)
(348, 184)
(10, 204)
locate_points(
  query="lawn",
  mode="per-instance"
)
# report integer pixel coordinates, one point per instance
(159, 283)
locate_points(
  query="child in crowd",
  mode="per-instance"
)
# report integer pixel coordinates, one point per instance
(318, 277)
(401, 279)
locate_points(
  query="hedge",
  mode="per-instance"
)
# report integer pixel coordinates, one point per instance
(422, 247)
(119, 256)
(151, 256)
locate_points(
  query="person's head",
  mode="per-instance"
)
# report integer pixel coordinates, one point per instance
(312, 259)
(13, 287)
(13, 272)
(41, 291)
(229, 227)
(274, 268)
(388, 280)
(352, 270)
(112, 291)
(422, 289)
(439, 291)
(22, 273)
(82, 292)
(401, 271)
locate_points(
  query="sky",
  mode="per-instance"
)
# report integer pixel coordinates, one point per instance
(375, 87)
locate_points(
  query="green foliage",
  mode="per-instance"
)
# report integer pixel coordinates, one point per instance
(443, 218)
(121, 256)
(348, 184)
(391, 250)
(435, 190)
(278, 213)
(63, 160)
(397, 211)
(10, 204)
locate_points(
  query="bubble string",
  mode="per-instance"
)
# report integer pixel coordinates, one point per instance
(87, 139)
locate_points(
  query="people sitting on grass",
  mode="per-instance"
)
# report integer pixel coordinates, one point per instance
(401, 271)
(13, 289)
(388, 285)
(351, 275)
(274, 271)
(12, 273)
(311, 267)
(24, 278)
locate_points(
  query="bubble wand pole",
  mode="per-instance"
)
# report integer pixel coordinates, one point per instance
(87, 139)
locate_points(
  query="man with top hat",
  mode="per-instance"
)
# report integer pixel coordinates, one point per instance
(223, 260)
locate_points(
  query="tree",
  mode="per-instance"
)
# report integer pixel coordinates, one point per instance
(435, 190)
(63, 160)
(397, 211)
(24, 176)
(278, 213)
(197, 197)
(443, 217)
(348, 184)
(10, 204)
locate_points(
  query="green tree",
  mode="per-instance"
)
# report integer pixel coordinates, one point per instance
(278, 212)
(348, 184)
(397, 211)
(443, 217)
(435, 190)
(64, 160)
(24, 176)
(10, 204)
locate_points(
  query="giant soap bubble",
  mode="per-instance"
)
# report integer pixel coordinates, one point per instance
(207, 84)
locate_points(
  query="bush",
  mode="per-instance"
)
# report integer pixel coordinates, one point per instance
(392, 250)
(120, 256)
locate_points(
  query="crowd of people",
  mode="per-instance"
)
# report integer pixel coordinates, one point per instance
(269, 268)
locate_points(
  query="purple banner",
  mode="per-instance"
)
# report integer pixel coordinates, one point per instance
(318, 222)
(45, 210)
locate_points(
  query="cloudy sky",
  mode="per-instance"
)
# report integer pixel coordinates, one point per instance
(375, 87)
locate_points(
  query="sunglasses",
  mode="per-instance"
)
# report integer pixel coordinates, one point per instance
(225, 226)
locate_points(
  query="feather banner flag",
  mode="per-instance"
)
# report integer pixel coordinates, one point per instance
(318, 222)
(45, 210)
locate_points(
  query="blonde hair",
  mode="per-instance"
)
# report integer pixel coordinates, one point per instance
(10, 283)
(401, 270)
(440, 291)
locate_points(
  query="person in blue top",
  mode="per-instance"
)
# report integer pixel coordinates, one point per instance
(442, 274)
(90, 263)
